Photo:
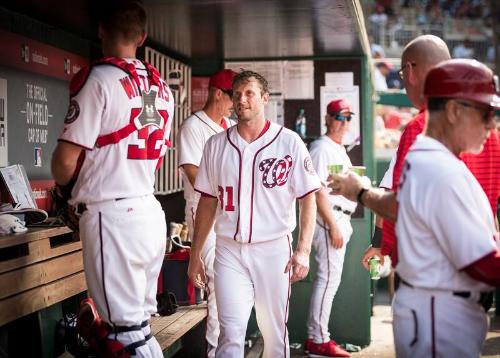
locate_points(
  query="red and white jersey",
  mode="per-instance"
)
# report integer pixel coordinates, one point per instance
(256, 183)
(108, 101)
(324, 152)
(444, 221)
(193, 134)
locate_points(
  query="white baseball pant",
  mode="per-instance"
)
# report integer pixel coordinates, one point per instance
(123, 249)
(436, 323)
(248, 275)
(330, 263)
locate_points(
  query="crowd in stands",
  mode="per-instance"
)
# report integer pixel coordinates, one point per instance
(465, 25)
(436, 9)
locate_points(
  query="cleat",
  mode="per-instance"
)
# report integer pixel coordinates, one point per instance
(327, 349)
(307, 343)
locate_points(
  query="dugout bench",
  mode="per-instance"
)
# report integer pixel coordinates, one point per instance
(40, 271)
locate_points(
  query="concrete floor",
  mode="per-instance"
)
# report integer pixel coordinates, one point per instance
(382, 344)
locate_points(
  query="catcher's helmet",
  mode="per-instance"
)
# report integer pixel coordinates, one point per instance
(463, 79)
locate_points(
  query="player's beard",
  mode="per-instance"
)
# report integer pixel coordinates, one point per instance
(244, 115)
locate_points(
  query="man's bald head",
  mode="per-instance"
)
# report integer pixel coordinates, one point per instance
(427, 50)
(419, 56)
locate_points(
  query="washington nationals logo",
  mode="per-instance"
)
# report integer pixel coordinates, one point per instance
(73, 112)
(308, 166)
(276, 171)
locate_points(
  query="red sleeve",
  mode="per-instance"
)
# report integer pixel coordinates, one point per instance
(412, 130)
(486, 269)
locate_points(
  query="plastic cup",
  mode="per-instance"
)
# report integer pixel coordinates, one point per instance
(375, 268)
(360, 170)
(335, 168)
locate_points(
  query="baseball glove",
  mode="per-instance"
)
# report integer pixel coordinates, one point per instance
(63, 210)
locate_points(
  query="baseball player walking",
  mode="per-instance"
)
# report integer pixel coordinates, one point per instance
(192, 137)
(249, 178)
(448, 243)
(114, 137)
(332, 233)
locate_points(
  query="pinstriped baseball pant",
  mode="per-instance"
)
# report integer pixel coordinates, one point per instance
(330, 263)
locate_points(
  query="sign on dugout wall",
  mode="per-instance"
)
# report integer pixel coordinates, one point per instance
(33, 101)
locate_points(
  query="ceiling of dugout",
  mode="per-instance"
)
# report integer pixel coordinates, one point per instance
(234, 29)
(225, 29)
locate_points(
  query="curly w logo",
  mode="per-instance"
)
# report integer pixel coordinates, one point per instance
(276, 171)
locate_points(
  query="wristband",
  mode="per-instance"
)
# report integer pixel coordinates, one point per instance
(359, 197)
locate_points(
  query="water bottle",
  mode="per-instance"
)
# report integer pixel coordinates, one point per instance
(300, 124)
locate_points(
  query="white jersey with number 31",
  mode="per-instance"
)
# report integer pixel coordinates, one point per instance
(256, 183)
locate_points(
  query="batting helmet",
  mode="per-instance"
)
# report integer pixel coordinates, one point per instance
(463, 79)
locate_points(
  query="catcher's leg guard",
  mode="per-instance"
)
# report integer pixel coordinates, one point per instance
(89, 325)
(95, 332)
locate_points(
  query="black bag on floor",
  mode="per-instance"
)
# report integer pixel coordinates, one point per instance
(167, 303)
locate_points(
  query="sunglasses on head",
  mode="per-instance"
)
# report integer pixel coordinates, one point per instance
(341, 117)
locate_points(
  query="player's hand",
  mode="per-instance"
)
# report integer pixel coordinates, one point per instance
(299, 264)
(348, 184)
(336, 238)
(369, 253)
(196, 271)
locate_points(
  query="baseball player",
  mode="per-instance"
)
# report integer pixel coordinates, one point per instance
(249, 179)
(332, 233)
(192, 137)
(115, 136)
(448, 243)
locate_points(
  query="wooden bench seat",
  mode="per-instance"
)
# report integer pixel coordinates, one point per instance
(168, 330)
(38, 269)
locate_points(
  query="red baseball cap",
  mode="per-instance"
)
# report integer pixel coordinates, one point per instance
(339, 105)
(222, 80)
(463, 79)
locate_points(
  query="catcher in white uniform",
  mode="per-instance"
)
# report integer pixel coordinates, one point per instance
(115, 136)
(192, 137)
(249, 179)
(332, 233)
(448, 244)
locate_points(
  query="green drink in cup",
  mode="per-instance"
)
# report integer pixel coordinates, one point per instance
(335, 168)
(358, 169)
(374, 268)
